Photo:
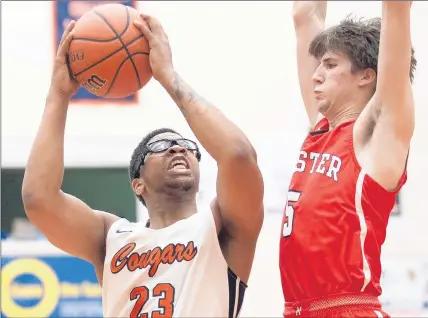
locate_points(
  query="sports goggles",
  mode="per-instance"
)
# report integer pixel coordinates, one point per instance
(164, 144)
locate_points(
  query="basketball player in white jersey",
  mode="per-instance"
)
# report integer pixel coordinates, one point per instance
(187, 261)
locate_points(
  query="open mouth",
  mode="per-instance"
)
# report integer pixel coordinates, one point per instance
(178, 165)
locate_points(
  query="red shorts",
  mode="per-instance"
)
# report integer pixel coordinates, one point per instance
(344, 305)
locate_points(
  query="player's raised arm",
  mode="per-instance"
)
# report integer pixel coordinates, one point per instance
(309, 19)
(239, 181)
(67, 222)
(392, 105)
(393, 92)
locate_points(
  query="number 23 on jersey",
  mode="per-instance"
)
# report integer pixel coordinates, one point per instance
(141, 294)
(287, 227)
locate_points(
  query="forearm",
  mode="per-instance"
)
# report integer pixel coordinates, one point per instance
(308, 23)
(394, 49)
(217, 134)
(305, 12)
(45, 167)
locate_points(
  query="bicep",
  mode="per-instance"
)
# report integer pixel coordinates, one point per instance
(382, 141)
(306, 66)
(240, 196)
(393, 132)
(72, 226)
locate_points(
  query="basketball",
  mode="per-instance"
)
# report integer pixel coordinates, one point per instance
(108, 55)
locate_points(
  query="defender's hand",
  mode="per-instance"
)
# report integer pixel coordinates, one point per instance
(308, 9)
(160, 50)
(62, 81)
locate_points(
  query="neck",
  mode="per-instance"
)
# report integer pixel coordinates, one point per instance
(342, 117)
(348, 112)
(164, 211)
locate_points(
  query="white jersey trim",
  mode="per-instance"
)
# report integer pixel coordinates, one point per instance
(363, 226)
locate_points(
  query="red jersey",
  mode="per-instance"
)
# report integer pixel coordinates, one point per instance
(334, 222)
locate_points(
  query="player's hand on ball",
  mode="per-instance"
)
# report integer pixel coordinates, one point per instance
(160, 51)
(62, 81)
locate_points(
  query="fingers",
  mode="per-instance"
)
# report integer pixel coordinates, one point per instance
(67, 30)
(154, 25)
(144, 29)
(63, 49)
(66, 39)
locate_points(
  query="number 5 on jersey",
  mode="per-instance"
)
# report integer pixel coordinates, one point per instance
(287, 228)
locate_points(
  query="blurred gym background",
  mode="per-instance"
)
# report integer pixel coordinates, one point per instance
(240, 56)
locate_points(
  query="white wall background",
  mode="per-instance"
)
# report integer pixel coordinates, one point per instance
(239, 55)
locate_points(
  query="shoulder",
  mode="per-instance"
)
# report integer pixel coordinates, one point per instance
(114, 224)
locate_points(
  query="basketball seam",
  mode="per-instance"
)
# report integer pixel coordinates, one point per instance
(123, 44)
(105, 40)
(108, 56)
(118, 70)
(94, 40)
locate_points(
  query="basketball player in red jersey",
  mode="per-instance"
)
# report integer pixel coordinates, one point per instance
(357, 75)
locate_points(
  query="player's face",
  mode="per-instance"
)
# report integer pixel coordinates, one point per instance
(335, 84)
(172, 164)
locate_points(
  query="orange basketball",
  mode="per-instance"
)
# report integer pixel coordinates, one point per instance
(108, 55)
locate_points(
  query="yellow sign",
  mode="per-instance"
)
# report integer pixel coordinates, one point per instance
(40, 270)
(49, 291)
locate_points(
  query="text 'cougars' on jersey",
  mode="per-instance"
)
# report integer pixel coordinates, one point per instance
(152, 258)
(328, 165)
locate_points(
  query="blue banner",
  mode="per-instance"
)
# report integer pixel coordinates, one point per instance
(64, 12)
(51, 286)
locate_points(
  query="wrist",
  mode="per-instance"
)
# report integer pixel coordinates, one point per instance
(167, 78)
(58, 95)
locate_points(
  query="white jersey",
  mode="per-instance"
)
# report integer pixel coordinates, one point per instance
(177, 271)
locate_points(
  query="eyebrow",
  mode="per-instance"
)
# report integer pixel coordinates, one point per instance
(329, 60)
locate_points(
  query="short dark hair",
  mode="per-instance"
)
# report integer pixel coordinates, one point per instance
(140, 151)
(358, 39)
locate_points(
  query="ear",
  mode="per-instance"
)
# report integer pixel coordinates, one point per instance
(138, 186)
(368, 76)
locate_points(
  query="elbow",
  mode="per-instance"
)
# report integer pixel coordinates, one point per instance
(30, 199)
(27, 195)
(299, 13)
(33, 200)
(299, 19)
(36, 192)
(242, 151)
